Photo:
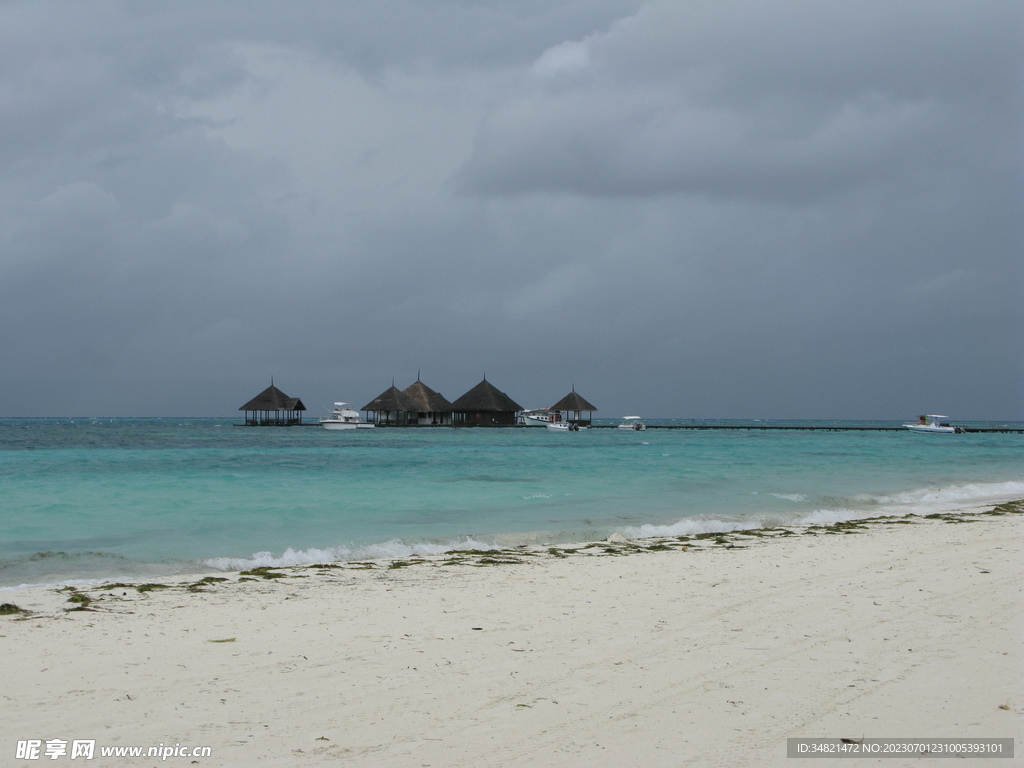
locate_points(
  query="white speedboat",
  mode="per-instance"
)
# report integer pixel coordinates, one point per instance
(563, 426)
(932, 423)
(343, 417)
(538, 417)
(633, 423)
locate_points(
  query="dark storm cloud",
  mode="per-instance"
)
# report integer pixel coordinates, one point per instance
(699, 209)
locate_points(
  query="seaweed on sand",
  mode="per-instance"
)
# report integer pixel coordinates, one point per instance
(497, 561)
(151, 587)
(197, 586)
(81, 601)
(264, 571)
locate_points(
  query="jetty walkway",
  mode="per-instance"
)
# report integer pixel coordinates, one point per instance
(809, 428)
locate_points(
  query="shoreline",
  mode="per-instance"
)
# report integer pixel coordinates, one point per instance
(615, 545)
(701, 650)
(696, 528)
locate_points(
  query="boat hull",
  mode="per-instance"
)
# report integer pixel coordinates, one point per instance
(564, 426)
(535, 421)
(336, 425)
(931, 428)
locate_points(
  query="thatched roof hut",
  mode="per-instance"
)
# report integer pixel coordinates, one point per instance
(272, 407)
(573, 406)
(391, 407)
(430, 407)
(485, 406)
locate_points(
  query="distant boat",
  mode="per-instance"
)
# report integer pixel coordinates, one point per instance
(563, 426)
(538, 417)
(932, 423)
(633, 423)
(343, 417)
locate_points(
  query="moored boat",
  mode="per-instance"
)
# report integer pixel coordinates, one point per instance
(932, 423)
(632, 423)
(564, 426)
(343, 417)
(538, 417)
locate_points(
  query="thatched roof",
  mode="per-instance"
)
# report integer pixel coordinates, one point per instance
(485, 397)
(391, 399)
(425, 399)
(273, 399)
(572, 402)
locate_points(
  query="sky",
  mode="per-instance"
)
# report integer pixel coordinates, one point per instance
(723, 209)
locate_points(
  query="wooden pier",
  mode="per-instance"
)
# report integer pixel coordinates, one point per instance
(712, 427)
(807, 428)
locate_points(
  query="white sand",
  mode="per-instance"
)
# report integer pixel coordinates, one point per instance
(709, 657)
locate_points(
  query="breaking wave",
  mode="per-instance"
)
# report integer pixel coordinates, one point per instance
(921, 501)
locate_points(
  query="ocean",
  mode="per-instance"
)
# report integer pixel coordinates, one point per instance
(83, 500)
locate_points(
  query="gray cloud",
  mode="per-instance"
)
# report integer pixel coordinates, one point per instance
(701, 209)
(779, 101)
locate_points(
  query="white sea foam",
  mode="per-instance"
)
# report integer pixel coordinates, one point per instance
(972, 493)
(388, 550)
(838, 515)
(691, 526)
(921, 501)
(65, 583)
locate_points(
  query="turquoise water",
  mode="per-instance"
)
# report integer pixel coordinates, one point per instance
(93, 499)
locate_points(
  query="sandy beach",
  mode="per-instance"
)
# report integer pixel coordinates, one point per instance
(705, 652)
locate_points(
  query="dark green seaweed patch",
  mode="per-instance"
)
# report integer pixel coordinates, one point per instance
(81, 601)
(472, 552)
(151, 587)
(197, 586)
(265, 572)
(10, 609)
(1009, 508)
(849, 526)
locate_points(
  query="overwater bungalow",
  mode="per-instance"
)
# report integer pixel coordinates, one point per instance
(485, 406)
(431, 408)
(391, 408)
(572, 407)
(273, 408)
